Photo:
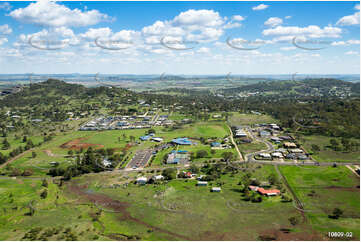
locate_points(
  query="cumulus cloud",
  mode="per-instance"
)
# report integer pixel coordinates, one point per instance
(350, 20)
(194, 25)
(273, 22)
(260, 7)
(238, 18)
(3, 41)
(311, 31)
(348, 42)
(51, 14)
(5, 29)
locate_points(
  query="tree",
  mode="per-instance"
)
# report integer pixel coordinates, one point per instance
(272, 179)
(293, 220)
(6, 144)
(25, 138)
(44, 183)
(27, 172)
(202, 153)
(194, 169)
(169, 173)
(336, 213)
(70, 153)
(315, 148)
(44, 194)
(33, 154)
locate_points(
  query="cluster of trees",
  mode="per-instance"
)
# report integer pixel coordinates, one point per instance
(90, 161)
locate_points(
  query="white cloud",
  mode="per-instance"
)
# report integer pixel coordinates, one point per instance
(288, 17)
(260, 7)
(349, 20)
(203, 17)
(203, 50)
(288, 48)
(46, 13)
(273, 22)
(6, 6)
(193, 25)
(3, 40)
(311, 31)
(357, 6)
(5, 29)
(238, 18)
(348, 42)
(231, 25)
(351, 53)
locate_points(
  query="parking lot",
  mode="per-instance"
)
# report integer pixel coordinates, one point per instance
(140, 159)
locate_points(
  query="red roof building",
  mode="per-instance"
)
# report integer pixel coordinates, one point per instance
(262, 191)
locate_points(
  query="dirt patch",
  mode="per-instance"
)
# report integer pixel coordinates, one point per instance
(77, 144)
(117, 206)
(286, 235)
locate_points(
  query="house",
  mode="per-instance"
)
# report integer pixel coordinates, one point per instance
(295, 150)
(271, 192)
(253, 188)
(202, 183)
(157, 139)
(302, 157)
(275, 139)
(285, 137)
(274, 126)
(264, 133)
(158, 177)
(215, 144)
(216, 189)
(181, 141)
(240, 133)
(106, 163)
(290, 145)
(277, 155)
(265, 155)
(200, 177)
(291, 156)
(142, 180)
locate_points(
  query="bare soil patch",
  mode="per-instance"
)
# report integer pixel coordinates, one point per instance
(77, 144)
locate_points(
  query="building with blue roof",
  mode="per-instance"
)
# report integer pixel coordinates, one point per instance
(144, 138)
(215, 144)
(182, 141)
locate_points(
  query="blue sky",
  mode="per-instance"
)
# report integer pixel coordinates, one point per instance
(180, 37)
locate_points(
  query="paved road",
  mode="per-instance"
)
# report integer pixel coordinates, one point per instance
(235, 145)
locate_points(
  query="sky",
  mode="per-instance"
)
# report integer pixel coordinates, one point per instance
(48, 37)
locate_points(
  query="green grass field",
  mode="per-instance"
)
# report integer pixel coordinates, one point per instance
(249, 119)
(326, 154)
(333, 188)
